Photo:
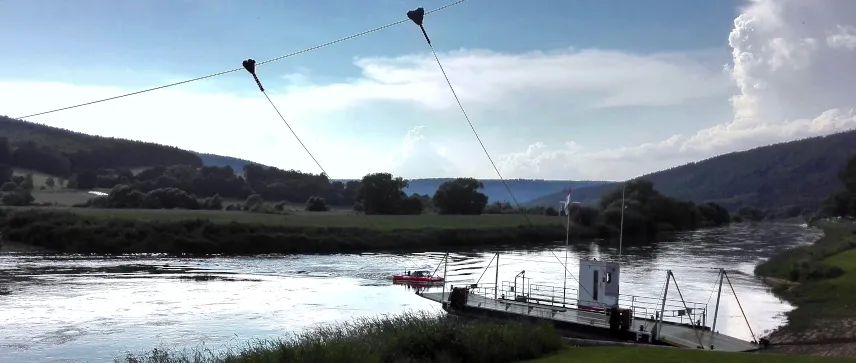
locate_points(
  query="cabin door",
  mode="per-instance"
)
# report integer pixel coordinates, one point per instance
(594, 293)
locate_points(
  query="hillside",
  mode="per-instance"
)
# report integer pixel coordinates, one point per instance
(800, 173)
(217, 160)
(50, 151)
(63, 152)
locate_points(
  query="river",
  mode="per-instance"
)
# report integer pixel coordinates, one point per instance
(61, 308)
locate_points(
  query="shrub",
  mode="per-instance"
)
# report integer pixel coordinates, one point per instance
(316, 204)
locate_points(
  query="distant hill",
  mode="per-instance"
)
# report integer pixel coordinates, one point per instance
(800, 173)
(524, 189)
(60, 152)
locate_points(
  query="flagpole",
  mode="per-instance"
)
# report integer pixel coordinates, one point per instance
(621, 228)
(567, 238)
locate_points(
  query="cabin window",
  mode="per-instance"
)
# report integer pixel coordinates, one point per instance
(608, 277)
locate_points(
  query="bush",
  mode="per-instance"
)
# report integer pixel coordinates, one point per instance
(8, 187)
(18, 198)
(316, 204)
(410, 337)
(813, 271)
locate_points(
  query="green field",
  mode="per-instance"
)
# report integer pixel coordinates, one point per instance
(666, 355)
(317, 219)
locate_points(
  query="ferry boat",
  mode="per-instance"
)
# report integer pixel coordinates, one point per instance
(422, 276)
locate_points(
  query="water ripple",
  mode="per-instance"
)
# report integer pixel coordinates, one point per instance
(59, 308)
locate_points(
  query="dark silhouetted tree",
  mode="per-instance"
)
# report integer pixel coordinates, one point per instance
(460, 196)
(381, 193)
(316, 204)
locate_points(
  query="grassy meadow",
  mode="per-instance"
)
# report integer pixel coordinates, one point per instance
(57, 226)
(820, 279)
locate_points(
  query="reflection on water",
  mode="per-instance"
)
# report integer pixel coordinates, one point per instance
(67, 308)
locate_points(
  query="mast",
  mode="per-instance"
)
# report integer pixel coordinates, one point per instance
(621, 228)
(567, 238)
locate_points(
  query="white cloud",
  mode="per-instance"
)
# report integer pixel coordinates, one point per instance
(792, 84)
(541, 86)
(419, 156)
(844, 37)
(791, 77)
(483, 77)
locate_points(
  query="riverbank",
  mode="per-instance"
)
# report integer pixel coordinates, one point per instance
(413, 337)
(423, 337)
(111, 231)
(646, 354)
(821, 283)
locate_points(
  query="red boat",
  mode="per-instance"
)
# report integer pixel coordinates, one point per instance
(417, 276)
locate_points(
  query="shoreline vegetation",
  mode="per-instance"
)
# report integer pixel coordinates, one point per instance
(820, 280)
(171, 221)
(427, 337)
(179, 232)
(406, 338)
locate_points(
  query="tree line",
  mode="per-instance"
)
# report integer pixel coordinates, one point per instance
(842, 203)
(187, 187)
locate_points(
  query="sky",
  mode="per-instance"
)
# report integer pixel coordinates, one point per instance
(573, 89)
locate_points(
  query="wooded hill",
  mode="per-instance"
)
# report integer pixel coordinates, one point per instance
(799, 173)
(63, 153)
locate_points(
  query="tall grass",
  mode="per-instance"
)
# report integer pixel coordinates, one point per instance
(406, 338)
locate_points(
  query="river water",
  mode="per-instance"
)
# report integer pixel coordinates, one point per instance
(60, 308)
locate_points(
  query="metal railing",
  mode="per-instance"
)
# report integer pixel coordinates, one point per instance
(644, 308)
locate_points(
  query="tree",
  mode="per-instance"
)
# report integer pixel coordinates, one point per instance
(86, 179)
(28, 184)
(316, 204)
(381, 193)
(213, 203)
(253, 202)
(460, 196)
(18, 198)
(5, 152)
(6, 173)
(847, 175)
(843, 203)
(9, 186)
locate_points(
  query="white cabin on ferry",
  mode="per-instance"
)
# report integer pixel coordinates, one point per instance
(599, 282)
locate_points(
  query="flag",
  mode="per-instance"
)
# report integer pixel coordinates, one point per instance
(568, 201)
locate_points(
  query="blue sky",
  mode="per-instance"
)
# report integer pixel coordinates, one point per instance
(576, 89)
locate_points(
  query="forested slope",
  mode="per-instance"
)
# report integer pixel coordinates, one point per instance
(800, 173)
